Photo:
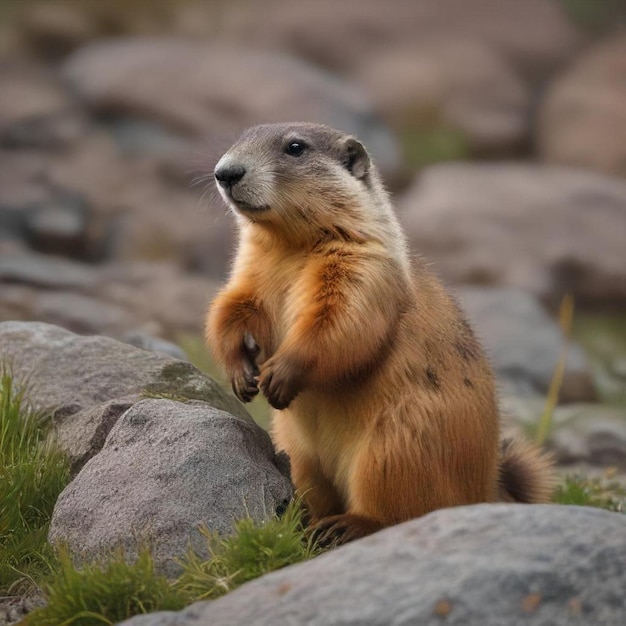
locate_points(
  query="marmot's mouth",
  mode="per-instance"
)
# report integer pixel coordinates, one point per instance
(246, 207)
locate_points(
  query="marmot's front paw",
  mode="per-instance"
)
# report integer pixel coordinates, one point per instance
(244, 379)
(280, 382)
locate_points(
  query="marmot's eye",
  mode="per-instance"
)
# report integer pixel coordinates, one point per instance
(295, 148)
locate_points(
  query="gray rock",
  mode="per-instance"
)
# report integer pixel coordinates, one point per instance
(592, 434)
(525, 343)
(546, 229)
(83, 434)
(166, 467)
(484, 565)
(84, 380)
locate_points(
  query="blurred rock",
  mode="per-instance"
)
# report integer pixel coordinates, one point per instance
(35, 109)
(525, 344)
(134, 136)
(82, 313)
(590, 433)
(23, 180)
(157, 299)
(535, 35)
(154, 344)
(483, 565)
(582, 120)
(59, 226)
(461, 84)
(54, 29)
(159, 293)
(136, 211)
(134, 77)
(46, 272)
(546, 229)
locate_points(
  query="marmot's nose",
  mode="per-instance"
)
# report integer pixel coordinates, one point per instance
(229, 174)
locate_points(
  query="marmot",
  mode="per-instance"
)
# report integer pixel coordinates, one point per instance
(384, 400)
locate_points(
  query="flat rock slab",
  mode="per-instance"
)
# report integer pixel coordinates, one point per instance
(168, 466)
(484, 565)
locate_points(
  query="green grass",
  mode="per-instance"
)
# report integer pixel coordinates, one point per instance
(33, 472)
(252, 551)
(112, 589)
(428, 144)
(104, 592)
(596, 492)
(603, 336)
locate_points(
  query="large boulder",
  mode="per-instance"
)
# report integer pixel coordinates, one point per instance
(484, 565)
(158, 447)
(582, 120)
(133, 77)
(547, 229)
(167, 467)
(524, 343)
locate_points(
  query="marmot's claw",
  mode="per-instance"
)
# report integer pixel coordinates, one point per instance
(245, 386)
(245, 382)
(339, 529)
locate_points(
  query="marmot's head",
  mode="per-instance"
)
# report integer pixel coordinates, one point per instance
(302, 180)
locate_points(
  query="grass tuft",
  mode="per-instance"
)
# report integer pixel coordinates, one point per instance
(566, 317)
(33, 472)
(434, 143)
(104, 592)
(255, 549)
(596, 492)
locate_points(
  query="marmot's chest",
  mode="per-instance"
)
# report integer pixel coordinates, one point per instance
(287, 295)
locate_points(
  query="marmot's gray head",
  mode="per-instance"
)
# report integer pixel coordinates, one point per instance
(301, 177)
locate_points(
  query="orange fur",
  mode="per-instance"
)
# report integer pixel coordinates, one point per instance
(386, 402)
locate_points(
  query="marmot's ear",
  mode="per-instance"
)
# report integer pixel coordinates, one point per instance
(356, 159)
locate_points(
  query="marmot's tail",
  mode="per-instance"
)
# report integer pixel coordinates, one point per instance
(526, 473)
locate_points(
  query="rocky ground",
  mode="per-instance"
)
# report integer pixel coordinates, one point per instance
(499, 127)
(157, 448)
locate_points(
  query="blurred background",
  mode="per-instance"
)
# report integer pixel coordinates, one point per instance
(499, 127)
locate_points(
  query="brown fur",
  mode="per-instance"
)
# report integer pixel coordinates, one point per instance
(386, 403)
